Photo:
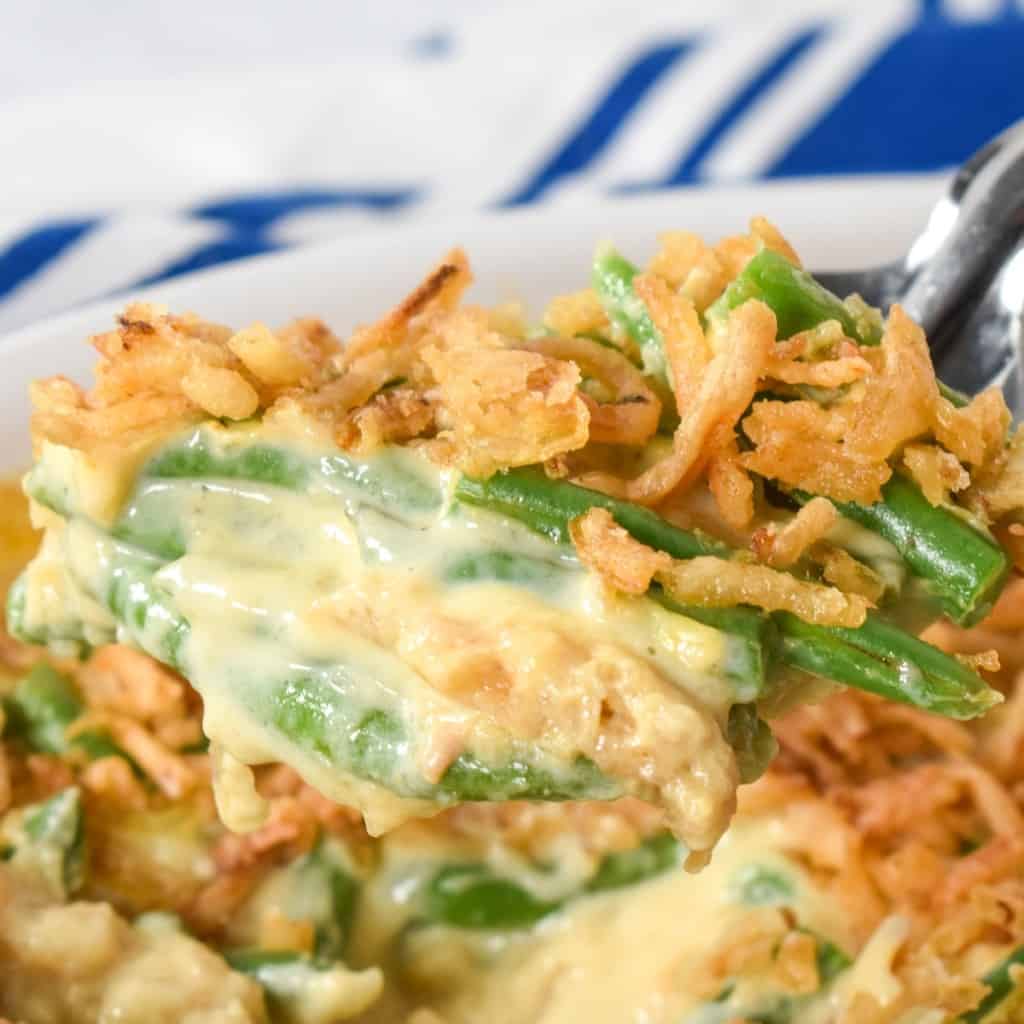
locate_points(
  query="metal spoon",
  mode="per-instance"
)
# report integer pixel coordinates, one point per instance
(963, 278)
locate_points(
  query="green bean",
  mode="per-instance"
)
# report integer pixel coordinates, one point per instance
(812, 649)
(963, 567)
(612, 278)
(142, 606)
(471, 896)
(752, 740)
(654, 856)
(320, 888)
(503, 567)
(797, 300)
(388, 482)
(858, 658)
(748, 637)
(313, 709)
(759, 886)
(149, 521)
(197, 457)
(42, 706)
(48, 838)
(831, 960)
(547, 506)
(379, 739)
(887, 642)
(1000, 986)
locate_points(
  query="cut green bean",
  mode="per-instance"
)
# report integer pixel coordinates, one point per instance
(42, 706)
(654, 856)
(48, 840)
(758, 885)
(389, 482)
(472, 896)
(797, 300)
(612, 278)
(379, 740)
(162, 512)
(887, 642)
(319, 887)
(812, 649)
(313, 710)
(1000, 986)
(547, 506)
(501, 567)
(752, 740)
(964, 568)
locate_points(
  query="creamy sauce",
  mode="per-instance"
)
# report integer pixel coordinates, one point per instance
(639, 954)
(297, 613)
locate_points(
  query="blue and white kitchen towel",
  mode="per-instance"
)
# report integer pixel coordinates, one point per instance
(132, 150)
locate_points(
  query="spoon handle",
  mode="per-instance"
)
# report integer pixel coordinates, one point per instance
(969, 235)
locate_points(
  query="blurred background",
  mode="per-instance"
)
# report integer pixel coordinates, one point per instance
(143, 140)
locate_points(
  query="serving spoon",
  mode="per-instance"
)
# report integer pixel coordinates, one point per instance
(962, 279)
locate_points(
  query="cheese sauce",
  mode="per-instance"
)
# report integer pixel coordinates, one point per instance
(639, 954)
(362, 589)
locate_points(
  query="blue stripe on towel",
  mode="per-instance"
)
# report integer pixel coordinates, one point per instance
(250, 217)
(257, 211)
(604, 121)
(29, 253)
(688, 168)
(926, 102)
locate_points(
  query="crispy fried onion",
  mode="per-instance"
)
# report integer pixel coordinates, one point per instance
(999, 490)
(842, 451)
(843, 367)
(170, 771)
(708, 421)
(935, 471)
(390, 417)
(686, 349)
(976, 433)
(440, 291)
(731, 486)
(737, 251)
(801, 444)
(690, 267)
(782, 547)
(699, 272)
(157, 371)
(607, 549)
(717, 583)
(576, 313)
(501, 406)
(631, 415)
(851, 576)
(628, 565)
